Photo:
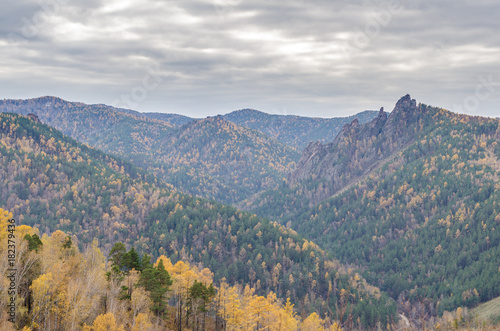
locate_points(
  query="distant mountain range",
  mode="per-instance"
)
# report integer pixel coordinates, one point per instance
(52, 182)
(214, 157)
(295, 131)
(291, 130)
(410, 197)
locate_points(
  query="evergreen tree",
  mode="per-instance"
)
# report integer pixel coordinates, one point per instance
(131, 260)
(116, 255)
(34, 242)
(157, 281)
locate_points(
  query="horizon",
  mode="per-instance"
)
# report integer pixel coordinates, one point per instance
(241, 109)
(214, 115)
(205, 57)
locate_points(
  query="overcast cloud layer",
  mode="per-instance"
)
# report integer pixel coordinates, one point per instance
(205, 57)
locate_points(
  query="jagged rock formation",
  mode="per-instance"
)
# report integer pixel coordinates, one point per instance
(357, 149)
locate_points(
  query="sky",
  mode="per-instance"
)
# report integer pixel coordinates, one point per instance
(200, 58)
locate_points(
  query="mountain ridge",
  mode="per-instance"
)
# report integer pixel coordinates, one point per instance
(152, 142)
(53, 182)
(293, 130)
(410, 198)
(422, 218)
(357, 148)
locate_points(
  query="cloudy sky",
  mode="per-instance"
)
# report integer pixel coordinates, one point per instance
(205, 57)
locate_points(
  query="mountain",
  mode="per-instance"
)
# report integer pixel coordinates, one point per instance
(53, 182)
(295, 131)
(229, 158)
(97, 125)
(210, 157)
(174, 119)
(242, 161)
(408, 199)
(411, 197)
(358, 148)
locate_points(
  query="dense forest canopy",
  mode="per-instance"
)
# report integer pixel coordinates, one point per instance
(394, 220)
(424, 222)
(58, 184)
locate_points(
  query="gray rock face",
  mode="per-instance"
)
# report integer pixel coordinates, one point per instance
(356, 150)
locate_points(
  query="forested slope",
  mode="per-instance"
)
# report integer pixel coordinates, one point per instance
(295, 131)
(48, 283)
(242, 162)
(212, 157)
(425, 222)
(54, 183)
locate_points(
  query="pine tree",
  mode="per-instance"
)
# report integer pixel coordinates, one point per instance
(132, 260)
(34, 242)
(116, 254)
(157, 281)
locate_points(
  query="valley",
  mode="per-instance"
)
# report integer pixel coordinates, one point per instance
(398, 210)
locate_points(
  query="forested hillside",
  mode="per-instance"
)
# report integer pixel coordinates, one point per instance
(358, 149)
(211, 157)
(325, 169)
(409, 198)
(173, 119)
(60, 287)
(242, 162)
(52, 182)
(421, 215)
(295, 131)
(100, 126)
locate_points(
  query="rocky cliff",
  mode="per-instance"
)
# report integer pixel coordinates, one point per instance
(357, 149)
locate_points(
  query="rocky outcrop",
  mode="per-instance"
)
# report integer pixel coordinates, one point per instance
(356, 150)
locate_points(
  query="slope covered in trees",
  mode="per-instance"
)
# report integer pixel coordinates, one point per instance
(242, 161)
(52, 182)
(211, 157)
(295, 131)
(174, 119)
(100, 126)
(424, 219)
(59, 287)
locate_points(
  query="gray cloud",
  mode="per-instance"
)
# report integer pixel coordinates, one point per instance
(320, 58)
